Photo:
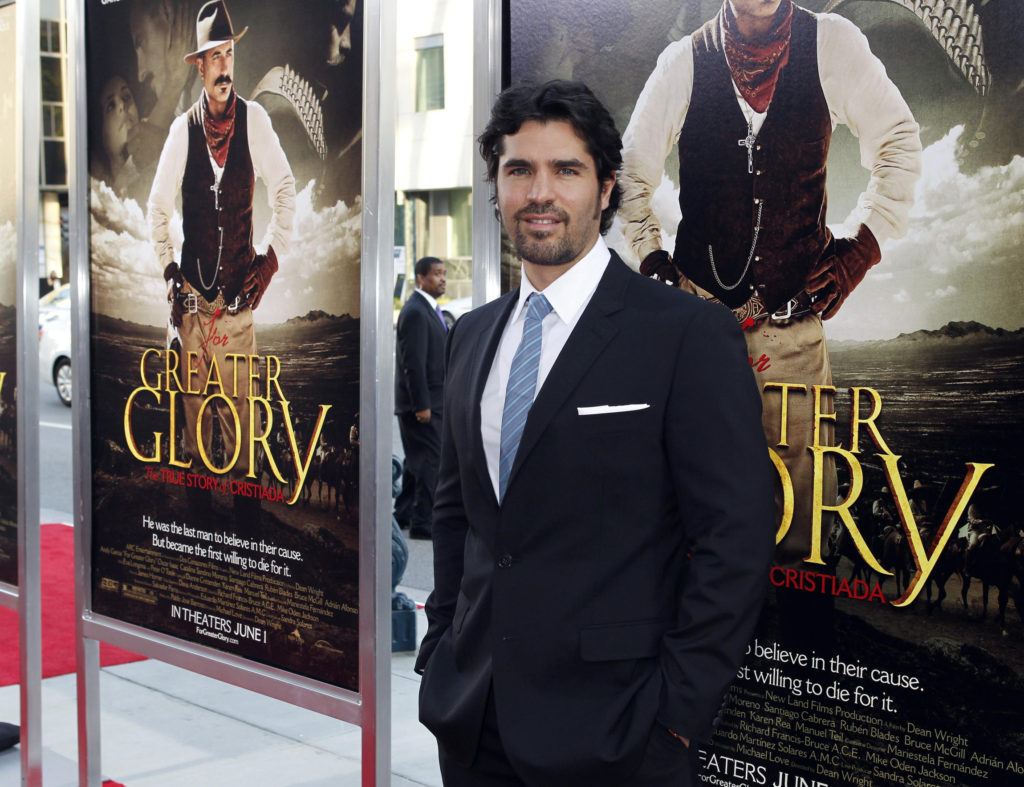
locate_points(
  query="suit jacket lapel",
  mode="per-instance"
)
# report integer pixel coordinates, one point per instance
(486, 347)
(590, 336)
(426, 308)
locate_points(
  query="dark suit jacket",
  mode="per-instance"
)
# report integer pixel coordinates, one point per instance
(576, 597)
(419, 358)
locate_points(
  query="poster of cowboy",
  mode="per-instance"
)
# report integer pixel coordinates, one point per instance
(847, 176)
(225, 151)
(8, 301)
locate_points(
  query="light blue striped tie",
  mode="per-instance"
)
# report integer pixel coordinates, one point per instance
(522, 383)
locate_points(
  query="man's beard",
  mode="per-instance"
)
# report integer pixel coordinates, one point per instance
(541, 251)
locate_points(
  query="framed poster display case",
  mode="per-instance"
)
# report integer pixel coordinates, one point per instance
(231, 228)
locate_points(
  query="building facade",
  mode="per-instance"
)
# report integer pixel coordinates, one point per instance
(434, 138)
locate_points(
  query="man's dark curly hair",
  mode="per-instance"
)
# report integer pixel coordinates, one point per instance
(557, 100)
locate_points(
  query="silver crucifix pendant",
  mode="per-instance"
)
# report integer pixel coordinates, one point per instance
(748, 143)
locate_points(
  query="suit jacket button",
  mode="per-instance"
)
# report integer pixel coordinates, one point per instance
(505, 561)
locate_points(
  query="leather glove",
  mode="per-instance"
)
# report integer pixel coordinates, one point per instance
(658, 265)
(834, 277)
(173, 277)
(261, 271)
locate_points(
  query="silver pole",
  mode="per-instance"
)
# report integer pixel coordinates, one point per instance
(486, 86)
(88, 650)
(9, 590)
(376, 396)
(29, 595)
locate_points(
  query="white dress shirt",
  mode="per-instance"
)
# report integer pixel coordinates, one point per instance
(858, 93)
(430, 298)
(568, 295)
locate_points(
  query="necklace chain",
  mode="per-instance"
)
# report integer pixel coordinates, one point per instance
(748, 143)
(220, 244)
(216, 270)
(750, 256)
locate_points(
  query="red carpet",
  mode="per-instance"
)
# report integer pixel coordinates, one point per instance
(58, 588)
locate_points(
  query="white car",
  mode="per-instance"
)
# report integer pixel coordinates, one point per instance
(55, 341)
(455, 309)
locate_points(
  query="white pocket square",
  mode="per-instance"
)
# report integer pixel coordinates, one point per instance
(605, 409)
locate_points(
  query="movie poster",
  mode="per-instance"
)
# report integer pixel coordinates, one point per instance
(8, 301)
(891, 651)
(225, 159)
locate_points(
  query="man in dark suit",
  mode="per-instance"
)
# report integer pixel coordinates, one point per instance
(604, 515)
(419, 382)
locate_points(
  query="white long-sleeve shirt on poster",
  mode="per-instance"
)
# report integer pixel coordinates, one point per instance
(858, 93)
(269, 164)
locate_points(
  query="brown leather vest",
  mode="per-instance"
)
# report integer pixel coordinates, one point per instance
(217, 223)
(720, 198)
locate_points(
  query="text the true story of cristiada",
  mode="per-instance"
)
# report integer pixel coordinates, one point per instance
(926, 544)
(166, 377)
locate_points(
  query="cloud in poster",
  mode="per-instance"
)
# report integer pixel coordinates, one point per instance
(961, 259)
(319, 272)
(126, 277)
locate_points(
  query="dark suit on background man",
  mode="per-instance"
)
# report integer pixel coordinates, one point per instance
(419, 382)
(588, 623)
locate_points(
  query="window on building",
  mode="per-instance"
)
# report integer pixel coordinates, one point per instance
(460, 241)
(49, 36)
(429, 72)
(439, 223)
(53, 68)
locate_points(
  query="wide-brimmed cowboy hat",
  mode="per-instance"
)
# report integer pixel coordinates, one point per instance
(213, 29)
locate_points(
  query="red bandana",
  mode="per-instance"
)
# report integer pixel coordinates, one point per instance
(755, 65)
(219, 132)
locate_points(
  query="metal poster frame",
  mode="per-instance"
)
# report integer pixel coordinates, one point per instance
(26, 597)
(369, 707)
(487, 76)
(9, 592)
